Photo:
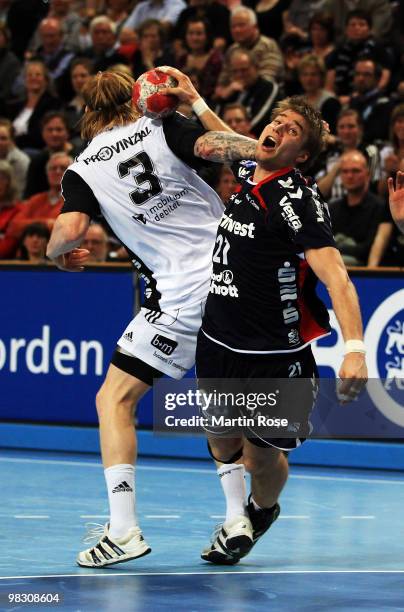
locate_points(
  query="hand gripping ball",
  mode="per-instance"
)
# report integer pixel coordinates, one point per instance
(149, 97)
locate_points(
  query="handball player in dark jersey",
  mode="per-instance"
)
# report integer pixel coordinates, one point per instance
(273, 242)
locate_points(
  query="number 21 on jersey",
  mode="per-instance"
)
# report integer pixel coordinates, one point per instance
(222, 247)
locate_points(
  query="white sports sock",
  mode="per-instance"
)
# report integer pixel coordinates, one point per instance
(120, 481)
(232, 478)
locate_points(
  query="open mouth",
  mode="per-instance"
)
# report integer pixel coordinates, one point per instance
(269, 142)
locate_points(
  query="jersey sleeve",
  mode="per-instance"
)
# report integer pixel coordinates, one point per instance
(313, 229)
(78, 196)
(181, 134)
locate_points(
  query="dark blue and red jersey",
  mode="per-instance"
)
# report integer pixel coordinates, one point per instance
(262, 295)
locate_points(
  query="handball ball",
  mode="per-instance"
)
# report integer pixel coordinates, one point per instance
(149, 97)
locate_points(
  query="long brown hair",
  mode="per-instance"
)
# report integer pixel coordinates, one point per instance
(108, 100)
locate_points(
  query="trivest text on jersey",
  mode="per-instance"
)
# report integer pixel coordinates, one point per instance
(237, 228)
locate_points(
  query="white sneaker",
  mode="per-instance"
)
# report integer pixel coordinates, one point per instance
(230, 541)
(108, 551)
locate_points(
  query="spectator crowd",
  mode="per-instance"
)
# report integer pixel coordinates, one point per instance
(344, 56)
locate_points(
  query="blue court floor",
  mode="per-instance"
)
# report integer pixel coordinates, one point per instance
(338, 544)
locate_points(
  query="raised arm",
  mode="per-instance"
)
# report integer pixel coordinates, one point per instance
(224, 147)
(328, 266)
(396, 199)
(186, 92)
(221, 144)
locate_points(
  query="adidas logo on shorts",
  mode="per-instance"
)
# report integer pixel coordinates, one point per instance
(128, 336)
(122, 488)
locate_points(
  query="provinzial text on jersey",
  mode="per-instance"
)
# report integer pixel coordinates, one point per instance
(107, 152)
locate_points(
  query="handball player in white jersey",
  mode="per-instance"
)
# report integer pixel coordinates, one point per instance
(140, 174)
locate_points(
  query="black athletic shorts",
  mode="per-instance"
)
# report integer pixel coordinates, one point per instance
(294, 373)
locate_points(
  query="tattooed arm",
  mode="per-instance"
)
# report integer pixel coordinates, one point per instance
(225, 147)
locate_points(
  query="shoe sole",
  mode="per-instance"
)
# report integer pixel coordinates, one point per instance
(99, 565)
(239, 545)
(219, 559)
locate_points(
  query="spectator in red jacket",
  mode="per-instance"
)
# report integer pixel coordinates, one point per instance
(43, 207)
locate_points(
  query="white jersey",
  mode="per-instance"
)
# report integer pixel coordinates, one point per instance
(157, 206)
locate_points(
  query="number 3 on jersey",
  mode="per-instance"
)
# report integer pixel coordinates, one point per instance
(147, 182)
(221, 250)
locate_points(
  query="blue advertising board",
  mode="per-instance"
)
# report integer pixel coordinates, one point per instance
(382, 306)
(57, 334)
(58, 331)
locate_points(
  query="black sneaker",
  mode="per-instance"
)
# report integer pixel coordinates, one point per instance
(261, 520)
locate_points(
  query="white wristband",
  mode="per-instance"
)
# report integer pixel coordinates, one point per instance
(199, 107)
(355, 346)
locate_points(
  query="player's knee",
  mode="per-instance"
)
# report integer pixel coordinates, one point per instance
(111, 404)
(226, 450)
(252, 465)
(262, 461)
(101, 402)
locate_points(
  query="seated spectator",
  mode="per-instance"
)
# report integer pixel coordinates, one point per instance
(43, 207)
(33, 243)
(355, 217)
(69, 20)
(237, 117)
(297, 17)
(293, 49)
(55, 134)
(22, 20)
(17, 159)
(312, 73)
(10, 66)
(127, 42)
(359, 43)
(270, 15)
(96, 241)
(259, 95)
(380, 12)
(8, 210)
(81, 69)
(26, 113)
(392, 154)
(321, 35)
(103, 52)
(52, 51)
(374, 107)
(214, 13)
(151, 51)
(349, 138)
(226, 184)
(166, 11)
(264, 51)
(200, 56)
(118, 11)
